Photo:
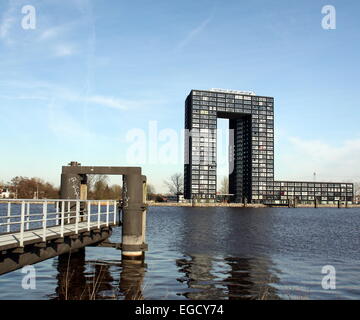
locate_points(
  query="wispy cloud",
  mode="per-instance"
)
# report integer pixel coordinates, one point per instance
(108, 102)
(21, 97)
(37, 90)
(7, 21)
(63, 50)
(330, 162)
(51, 33)
(64, 125)
(194, 32)
(5, 26)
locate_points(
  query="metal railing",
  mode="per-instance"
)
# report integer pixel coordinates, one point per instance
(20, 215)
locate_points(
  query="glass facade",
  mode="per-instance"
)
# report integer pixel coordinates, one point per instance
(251, 120)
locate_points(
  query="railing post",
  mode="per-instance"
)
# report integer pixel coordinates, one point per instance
(44, 220)
(8, 219)
(27, 215)
(62, 218)
(115, 207)
(99, 213)
(107, 213)
(68, 212)
(22, 224)
(77, 217)
(57, 212)
(89, 215)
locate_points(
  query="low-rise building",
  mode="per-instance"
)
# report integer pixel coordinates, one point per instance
(5, 193)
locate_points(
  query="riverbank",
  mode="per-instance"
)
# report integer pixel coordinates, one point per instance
(210, 204)
(241, 205)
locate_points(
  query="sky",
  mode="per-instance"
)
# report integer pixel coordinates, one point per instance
(93, 80)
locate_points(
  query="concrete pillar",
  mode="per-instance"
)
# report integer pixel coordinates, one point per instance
(144, 184)
(134, 212)
(70, 189)
(70, 186)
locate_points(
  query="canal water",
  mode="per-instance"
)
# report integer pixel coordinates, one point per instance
(213, 253)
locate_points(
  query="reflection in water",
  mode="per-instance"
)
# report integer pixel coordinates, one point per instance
(213, 253)
(250, 279)
(229, 278)
(71, 276)
(131, 279)
(199, 276)
(78, 279)
(204, 277)
(75, 283)
(221, 261)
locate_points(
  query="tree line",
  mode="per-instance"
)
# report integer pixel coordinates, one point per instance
(30, 188)
(36, 188)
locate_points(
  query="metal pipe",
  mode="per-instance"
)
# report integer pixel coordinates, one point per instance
(62, 218)
(44, 222)
(8, 214)
(22, 222)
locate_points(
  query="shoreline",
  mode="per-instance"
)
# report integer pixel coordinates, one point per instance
(241, 205)
(216, 204)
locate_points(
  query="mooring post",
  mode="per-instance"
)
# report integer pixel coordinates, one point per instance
(134, 217)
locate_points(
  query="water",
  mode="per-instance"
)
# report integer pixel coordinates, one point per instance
(213, 253)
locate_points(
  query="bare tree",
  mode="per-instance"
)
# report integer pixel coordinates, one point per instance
(224, 187)
(115, 192)
(356, 190)
(29, 188)
(92, 179)
(151, 193)
(175, 185)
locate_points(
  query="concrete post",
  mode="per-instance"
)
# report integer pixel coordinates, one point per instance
(70, 188)
(134, 212)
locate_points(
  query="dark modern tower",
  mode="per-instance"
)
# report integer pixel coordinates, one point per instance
(251, 158)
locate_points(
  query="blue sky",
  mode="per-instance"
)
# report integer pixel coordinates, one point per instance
(92, 71)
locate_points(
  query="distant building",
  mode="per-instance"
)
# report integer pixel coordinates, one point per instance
(5, 193)
(173, 198)
(251, 120)
(357, 199)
